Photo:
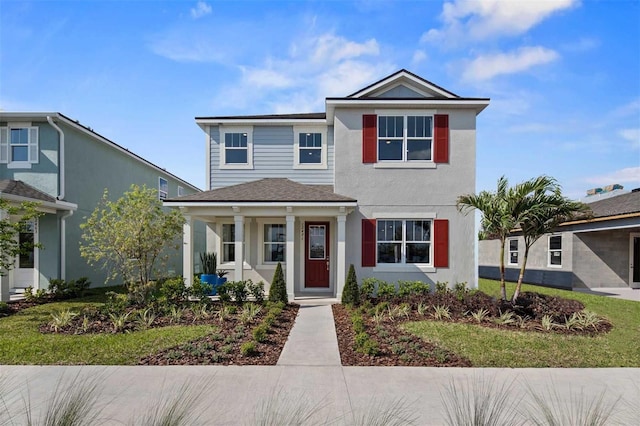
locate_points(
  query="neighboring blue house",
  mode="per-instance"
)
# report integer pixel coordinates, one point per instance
(65, 167)
(372, 182)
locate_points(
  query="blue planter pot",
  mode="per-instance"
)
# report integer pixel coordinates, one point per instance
(212, 280)
(220, 280)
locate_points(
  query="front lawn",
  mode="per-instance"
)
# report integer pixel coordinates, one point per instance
(490, 347)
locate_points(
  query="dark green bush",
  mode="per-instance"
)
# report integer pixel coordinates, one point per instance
(4, 308)
(173, 290)
(368, 288)
(239, 290)
(278, 288)
(260, 332)
(199, 289)
(248, 348)
(442, 287)
(371, 348)
(360, 339)
(256, 290)
(224, 292)
(39, 296)
(116, 302)
(386, 290)
(407, 288)
(351, 291)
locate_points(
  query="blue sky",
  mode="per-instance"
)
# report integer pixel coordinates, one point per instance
(563, 76)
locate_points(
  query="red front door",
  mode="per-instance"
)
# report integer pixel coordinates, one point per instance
(316, 253)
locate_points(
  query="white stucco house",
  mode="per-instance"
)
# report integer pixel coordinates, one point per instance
(372, 182)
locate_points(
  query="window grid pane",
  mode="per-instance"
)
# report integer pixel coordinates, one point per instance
(274, 243)
(19, 136)
(310, 140)
(404, 241)
(228, 242)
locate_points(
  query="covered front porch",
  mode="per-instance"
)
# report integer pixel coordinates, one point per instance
(253, 226)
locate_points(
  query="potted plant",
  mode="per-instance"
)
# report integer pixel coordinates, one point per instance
(221, 277)
(209, 266)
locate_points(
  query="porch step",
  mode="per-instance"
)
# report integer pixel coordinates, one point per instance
(312, 340)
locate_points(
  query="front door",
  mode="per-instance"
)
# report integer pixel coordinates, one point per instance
(634, 260)
(316, 267)
(24, 272)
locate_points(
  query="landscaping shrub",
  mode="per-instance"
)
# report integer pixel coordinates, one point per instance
(407, 288)
(224, 292)
(116, 302)
(4, 308)
(442, 287)
(239, 290)
(256, 290)
(199, 289)
(350, 293)
(278, 289)
(368, 288)
(386, 290)
(248, 348)
(260, 332)
(173, 290)
(39, 295)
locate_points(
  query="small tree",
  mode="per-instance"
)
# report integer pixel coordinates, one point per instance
(13, 220)
(128, 236)
(351, 292)
(278, 288)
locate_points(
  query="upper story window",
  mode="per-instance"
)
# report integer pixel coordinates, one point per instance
(310, 147)
(180, 191)
(513, 252)
(163, 188)
(404, 241)
(236, 148)
(405, 137)
(555, 250)
(19, 145)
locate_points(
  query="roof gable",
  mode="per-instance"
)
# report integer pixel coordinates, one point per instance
(403, 84)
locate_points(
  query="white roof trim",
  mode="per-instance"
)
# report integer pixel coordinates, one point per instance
(396, 77)
(46, 205)
(327, 204)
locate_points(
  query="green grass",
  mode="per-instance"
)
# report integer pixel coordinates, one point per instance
(487, 347)
(22, 343)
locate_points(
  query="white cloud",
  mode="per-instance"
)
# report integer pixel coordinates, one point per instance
(582, 45)
(465, 20)
(629, 175)
(201, 9)
(485, 67)
(315, 67)
(418, 57)
(632, 135)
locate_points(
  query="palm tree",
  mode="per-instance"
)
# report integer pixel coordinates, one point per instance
(539, 209)
(496, 218)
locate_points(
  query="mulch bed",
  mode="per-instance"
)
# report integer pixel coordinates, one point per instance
(391, 340)
(223, 346)
(16, 306)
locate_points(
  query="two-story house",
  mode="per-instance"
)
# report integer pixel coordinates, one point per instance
(372, 182)
(65, 167)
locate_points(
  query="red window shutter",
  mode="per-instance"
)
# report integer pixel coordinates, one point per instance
(441, 243)
(369, 138)
(368, 242)
(441, 138)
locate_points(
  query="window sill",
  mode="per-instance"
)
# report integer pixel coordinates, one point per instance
(236, 166)
(231, 266)
(554, 266)
(403, 267)
(404, 165)
(270, 265)
(19, 165)
(310, 166)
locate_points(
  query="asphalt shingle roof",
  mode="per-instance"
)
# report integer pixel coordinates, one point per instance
(620, 204)
(21, 189)
(268, 190)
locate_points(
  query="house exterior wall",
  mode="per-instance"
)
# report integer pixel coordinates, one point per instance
(273, 156)
(91, 166)
(601, 259)
(409, 191)
(538, 270)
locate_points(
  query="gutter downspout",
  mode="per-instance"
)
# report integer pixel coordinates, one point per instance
(60, 159)
(61, 190)
(63, 244)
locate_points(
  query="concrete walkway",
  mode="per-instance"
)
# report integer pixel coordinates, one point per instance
(312, 340)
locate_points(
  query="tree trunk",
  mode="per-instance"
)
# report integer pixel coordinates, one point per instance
(503, 288)
(516, 293)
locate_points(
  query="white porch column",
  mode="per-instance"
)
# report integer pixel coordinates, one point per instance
(187, 251)
(291, 256)
(239, 246)
(341, 271)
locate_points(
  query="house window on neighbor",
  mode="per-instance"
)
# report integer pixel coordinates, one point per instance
(180, 191)
(555, 250)
(405, 138)
(19, 144)
(275, 239)
(513, 252)
(310, 146)
(404, 241)
(236, 148)
(163, 188)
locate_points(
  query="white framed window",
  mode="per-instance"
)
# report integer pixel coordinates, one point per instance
(310, 147)
(404, 241)
(236, 148)
(180, 191)
(227, 252)
(513, 251)
(163, 188)
(19, 145)
(274, 243)
(405, 138)
(555, 250)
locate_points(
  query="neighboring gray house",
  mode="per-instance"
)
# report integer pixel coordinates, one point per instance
(65, 166)
(372, 182)
(600, 252)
